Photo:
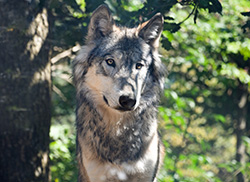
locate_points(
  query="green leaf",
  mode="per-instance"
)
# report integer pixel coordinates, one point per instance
(245, 13)
(215, 6)
(178, 120)
(166, 44)
(219, 118)
(172, 27)
(246, 140)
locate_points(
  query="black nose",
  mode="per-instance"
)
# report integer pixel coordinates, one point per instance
(127, 102)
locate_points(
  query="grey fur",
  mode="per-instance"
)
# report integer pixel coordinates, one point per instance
(108, 134)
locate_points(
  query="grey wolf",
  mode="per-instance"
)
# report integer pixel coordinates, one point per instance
(118, 77)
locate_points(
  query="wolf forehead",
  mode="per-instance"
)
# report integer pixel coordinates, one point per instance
(122, 46)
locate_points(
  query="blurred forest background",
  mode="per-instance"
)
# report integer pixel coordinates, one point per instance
(204, 116)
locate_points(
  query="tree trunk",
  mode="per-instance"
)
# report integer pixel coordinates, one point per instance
(24, 91)
(241, 130)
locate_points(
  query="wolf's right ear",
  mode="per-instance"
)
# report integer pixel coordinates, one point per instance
(101, 23)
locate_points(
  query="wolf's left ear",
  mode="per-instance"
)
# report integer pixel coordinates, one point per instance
(151, 30)
(101, 23)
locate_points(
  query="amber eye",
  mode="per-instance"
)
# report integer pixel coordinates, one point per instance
(138, 66)
(110, 62)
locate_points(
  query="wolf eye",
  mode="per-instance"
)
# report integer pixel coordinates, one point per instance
(138, 66)
(110, 62)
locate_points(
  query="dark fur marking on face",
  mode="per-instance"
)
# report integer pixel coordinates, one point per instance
(105, 99)
(124, 82)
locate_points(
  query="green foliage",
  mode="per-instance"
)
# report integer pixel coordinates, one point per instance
(62, 155)
(213, 6)
(247, 25)
(62, 132)
(208, 65)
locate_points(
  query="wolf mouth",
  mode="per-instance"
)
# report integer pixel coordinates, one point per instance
(123, 109)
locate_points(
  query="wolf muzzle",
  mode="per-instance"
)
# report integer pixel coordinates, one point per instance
(127, 103)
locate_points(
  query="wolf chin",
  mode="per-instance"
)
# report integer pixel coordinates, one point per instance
(118, 77)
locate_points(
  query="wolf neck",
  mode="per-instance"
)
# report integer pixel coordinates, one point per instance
(122, 138)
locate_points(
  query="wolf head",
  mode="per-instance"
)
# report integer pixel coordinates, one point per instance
(119, 68)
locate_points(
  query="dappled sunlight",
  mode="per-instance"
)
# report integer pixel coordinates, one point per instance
(38, 30)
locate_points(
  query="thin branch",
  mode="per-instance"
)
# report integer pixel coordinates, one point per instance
(66, 53)
(195, 8)
(59, 93)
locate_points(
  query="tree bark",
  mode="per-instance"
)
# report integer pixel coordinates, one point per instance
(25, 88)
(241, 130)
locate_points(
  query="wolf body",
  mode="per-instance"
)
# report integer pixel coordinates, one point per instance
(118, 77)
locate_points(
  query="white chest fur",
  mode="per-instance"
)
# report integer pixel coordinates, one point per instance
(141, 170)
